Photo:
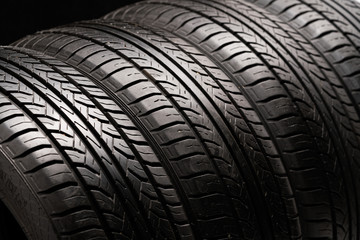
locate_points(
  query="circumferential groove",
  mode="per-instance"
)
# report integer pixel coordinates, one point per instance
(186, 120)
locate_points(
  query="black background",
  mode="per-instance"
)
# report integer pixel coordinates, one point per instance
(19, 18)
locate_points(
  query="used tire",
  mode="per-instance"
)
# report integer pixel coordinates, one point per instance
(68, 170)
(221, 29)
(200, 119)
(333, 28)
(181, 108)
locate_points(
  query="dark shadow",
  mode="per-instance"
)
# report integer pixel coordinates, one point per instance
(9, 228)
(20, 18)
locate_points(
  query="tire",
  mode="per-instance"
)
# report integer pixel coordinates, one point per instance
(59, 177)
(333, 28)
(263, 111)
(217, 28)
(237, 124)
(183, 120)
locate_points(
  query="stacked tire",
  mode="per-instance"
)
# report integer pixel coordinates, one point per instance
(203, 119)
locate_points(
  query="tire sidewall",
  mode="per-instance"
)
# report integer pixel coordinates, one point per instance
(21, 201)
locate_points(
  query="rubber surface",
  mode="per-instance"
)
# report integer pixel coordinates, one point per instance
(59, 142)
(198, 154)
(207, 24)
(200, 119)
